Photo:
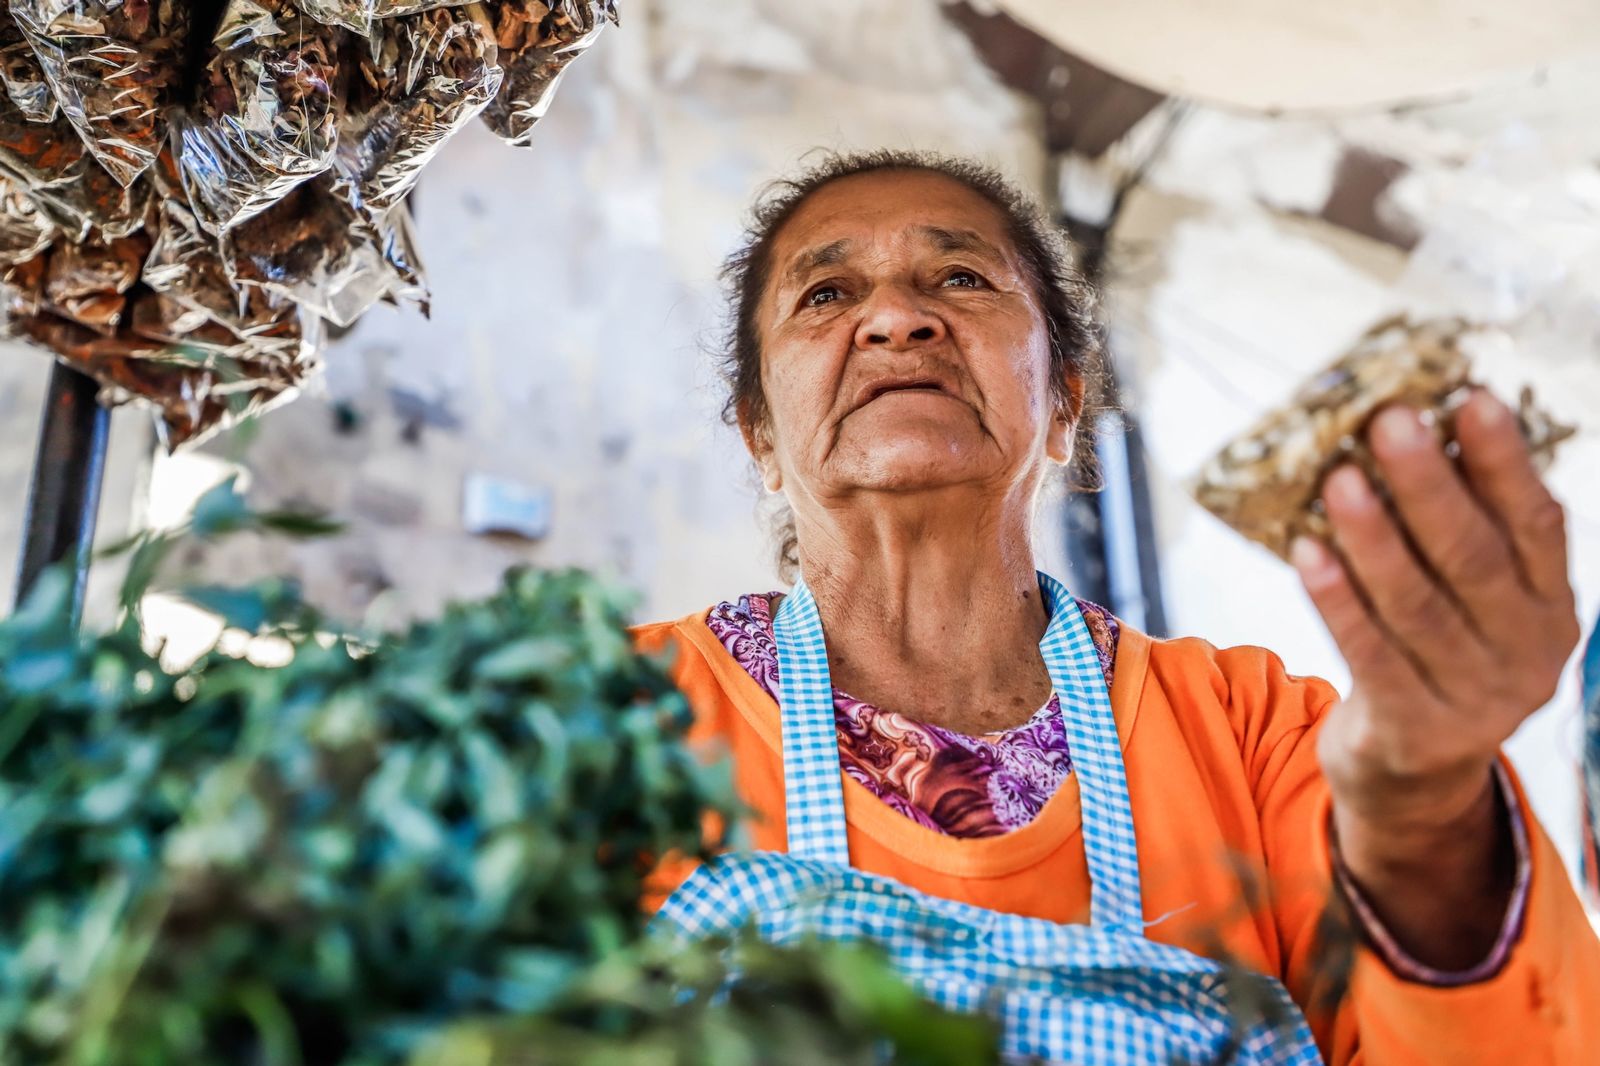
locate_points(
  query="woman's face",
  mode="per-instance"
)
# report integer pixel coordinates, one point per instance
(903, 349)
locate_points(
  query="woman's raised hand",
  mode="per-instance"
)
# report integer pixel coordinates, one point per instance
(1453, 610)
(1455, 614)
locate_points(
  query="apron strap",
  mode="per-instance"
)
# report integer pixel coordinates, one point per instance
(813, 791)
(812, 780)
(1591, 666)
(1109, 845)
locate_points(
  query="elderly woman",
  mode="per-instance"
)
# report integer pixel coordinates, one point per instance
(1037, 808)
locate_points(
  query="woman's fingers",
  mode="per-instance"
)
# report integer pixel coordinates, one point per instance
(1374, 659)
(1502, 475)
(1407, 601)
(1458, 539)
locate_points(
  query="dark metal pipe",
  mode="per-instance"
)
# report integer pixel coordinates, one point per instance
(68, 470)
(1111, 534)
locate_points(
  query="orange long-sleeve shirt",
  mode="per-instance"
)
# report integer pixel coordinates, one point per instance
(1231, 814)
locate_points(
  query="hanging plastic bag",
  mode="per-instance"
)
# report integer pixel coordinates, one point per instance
(74, 192)
(195, 391)
(185, 269)
(20, 70)
(24, 232)
(362, 15)
(319, 250)
(537, 42)
(239, 364)
(114, 66)
(266, 113)
(24, 284)
(88, 283)
(424, 77)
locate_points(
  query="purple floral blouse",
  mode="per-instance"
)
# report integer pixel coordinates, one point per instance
(950, 782)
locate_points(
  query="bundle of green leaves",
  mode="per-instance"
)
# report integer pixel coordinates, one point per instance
(426, 844)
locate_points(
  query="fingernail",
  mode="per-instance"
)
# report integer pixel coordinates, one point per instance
(1402, 427)
(1490, 411)
(1348, 485)
(1309, 556)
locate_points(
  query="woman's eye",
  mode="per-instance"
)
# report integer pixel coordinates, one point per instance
(964, 279)
(822, 294)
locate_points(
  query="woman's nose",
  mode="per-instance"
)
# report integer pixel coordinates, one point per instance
(894, 319)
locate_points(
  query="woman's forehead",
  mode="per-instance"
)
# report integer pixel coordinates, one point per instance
(889, 207)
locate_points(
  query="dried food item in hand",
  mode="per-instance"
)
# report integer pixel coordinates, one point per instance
(537, 41)
(362, 15)
(115, 67)
(24, 232)
(267, 111)
(317, 249)
(424, 77)
(20, 70)
(1266, 484)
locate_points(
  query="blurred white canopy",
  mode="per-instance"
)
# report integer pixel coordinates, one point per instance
(1274, 55)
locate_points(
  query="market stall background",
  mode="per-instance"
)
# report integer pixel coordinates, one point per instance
(562, 387)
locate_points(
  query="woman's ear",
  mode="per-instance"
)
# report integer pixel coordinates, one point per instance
(1058, 444)
(758, 442)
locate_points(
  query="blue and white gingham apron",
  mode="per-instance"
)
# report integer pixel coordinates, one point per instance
(1590, 685)
(1101, 993)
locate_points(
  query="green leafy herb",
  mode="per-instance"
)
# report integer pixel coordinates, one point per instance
(389, 845)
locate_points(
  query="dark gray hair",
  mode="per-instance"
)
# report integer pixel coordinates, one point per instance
(1067, 300)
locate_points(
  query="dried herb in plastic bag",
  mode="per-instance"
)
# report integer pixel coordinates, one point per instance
(424, 77)
(1266, 483)
(24, 232)
(87, 283)
(266, 112)
(186, 270)
(238, 364)
(114, 66)
(537, 41)
(20, 70)
(361, 15)
(319, 250)
(74, 192)
(194, 393)
(24, 284)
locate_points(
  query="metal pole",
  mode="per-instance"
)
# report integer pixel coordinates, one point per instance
(1111, 534)
(68, 469)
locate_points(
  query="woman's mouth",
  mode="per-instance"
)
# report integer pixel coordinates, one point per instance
(911, 386)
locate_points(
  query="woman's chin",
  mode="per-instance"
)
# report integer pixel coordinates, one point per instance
(910, 461)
